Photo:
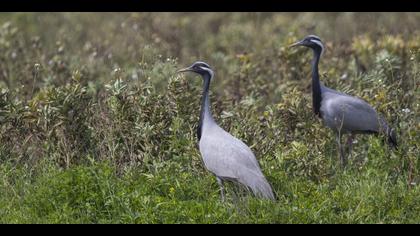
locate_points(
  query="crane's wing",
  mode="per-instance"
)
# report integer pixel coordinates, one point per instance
(348, 113)
(223, 154)
(228, 157)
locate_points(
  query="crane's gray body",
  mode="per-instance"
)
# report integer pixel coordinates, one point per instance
(230, 159)
(346, 114)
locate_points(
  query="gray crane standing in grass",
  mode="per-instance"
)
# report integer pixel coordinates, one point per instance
(341, 112)
(227, 157)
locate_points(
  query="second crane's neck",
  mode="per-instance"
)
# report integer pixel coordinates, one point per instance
(206, 117)
(316, 86)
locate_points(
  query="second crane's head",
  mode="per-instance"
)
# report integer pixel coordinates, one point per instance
(311, 41)
(200, 68)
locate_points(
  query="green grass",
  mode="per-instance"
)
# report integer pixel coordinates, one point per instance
(95, 194)
(96, 127)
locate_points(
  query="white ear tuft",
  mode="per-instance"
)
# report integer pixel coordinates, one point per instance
(319, 44)
(208, 70)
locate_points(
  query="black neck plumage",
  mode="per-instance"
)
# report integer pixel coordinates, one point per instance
(316, 86)
(205, 113)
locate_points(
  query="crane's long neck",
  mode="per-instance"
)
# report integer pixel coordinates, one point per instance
(316, 86)
(205, 114)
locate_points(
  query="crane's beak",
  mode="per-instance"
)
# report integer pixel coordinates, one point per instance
(296, 44)
(184, 70)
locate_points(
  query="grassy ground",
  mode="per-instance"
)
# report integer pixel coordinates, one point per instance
(97, 128)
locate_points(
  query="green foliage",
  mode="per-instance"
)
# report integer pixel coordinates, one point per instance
(97, 127)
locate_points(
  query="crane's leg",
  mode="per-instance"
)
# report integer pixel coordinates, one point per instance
(222, 188)
(350, 144)
(341, 151)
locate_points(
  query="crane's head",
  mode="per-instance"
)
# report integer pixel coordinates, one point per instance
(311, 41)
(198, 67)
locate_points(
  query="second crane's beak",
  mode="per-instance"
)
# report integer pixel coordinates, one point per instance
(185, 70)
(296, 44)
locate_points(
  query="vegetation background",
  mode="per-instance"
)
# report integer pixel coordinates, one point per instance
(96, 127)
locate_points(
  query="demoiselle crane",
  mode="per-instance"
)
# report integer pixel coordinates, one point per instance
(227, 157)
(343, 113)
